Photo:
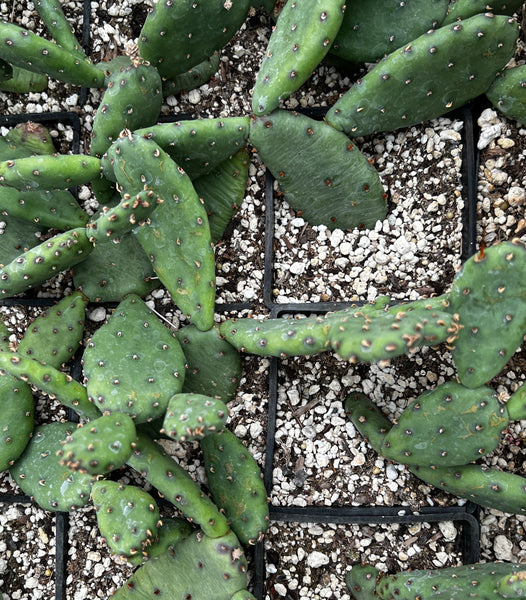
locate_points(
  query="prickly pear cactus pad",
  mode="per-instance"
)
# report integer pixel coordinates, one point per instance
(488, 295)
(199, 567)
(435, 73)
(40, 475)
(193, 416)
(133, 364)
(343, 191)
(508, 93)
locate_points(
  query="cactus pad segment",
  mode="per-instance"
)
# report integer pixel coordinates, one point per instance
(193, 416)
(127, 516)
(516, 404)
(199, 145)
(17, 236)
(17, 406)
(384, 334)
(223, 191)
(463, 9)
(361, 581)
(24, 81)
(49, 171)
(320, 170)
(513, 585)
(54, 19)
(368, 419)
(133, 98)
(455, 583)
(236, 483)
(40, 475)
(488, 295)
(508, 93)
(483, 485)
(57, 209)
(46, 378)
(177, 36)
(54, 336)
(435, 73)
(214, 366)
(450, 425)
(277, 337)
(176, 485)
(29, 138)
(199, 568)
(27, 50)
(101, 446)
(371, 28)
(36, 265)
(177, 237)
(6, 70)
(302, 36)
(193, 78)
(112, 271)
(133, 363)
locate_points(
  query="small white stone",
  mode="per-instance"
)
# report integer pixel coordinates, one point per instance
(516, 196)
(317, 559)
(194, 97)
(298, 268)
(280, 589)
(503, 548)
(98, 314)
(448, 530)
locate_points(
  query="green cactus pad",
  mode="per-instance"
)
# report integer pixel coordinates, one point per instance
(516, 404)
(319, 170)
(214, 366)
(177, 36)
(40, 475)
(133, 363)
(27, 50)
(55, 383)
(29, 138)
(55, 335)
(435, 73)
(191, 417)
(17, 420)
(54, 19)
(223, 191)
(508, 93)
(454, 583)
(368, 419)
(112, 271)
(513, 585)
(132, 99)
(57, 209)
(302, 36)
(101, 446)
(49, 171)
(463, 9)
(450, 425)
(36, 265)
(277, 337)
(236, 483)
(361, 581)
(127, 516)
(24, 81)
(199, 568)
(18, 236)
(193, 78)
(372, 29)
(176, 485)
(385, 334)
(488, 295)
(6, 70)
(483, 485)
(200, 145)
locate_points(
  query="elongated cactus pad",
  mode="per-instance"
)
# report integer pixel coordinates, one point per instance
(488, 295)
(55, 335)
(193, 78)
(35, 266)
(112, 271)
(463, 9)
(302, 36)
(516, 404)
(29, 138)
(199, 145)
(320, 171)
(49, 172)
(54, 19)
(25, 49)
(177, 36)
(18, 413)
(176, 485)
(236, 483)
(454, 583)
(368, 419)
(372, 29)
(101, 446)
(277, 337)
(40, 475)
(199, 568)
(18, 236)
(193, 416)
(24, 81)
(127, 516)
(435, 73)
(508, 93)
(450, 425)
(214, 366)
(133, 363)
